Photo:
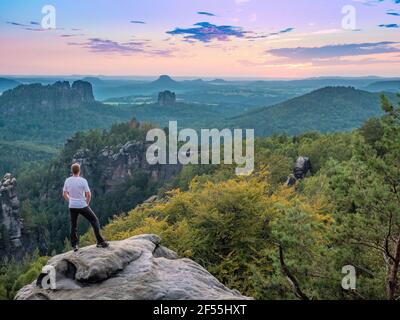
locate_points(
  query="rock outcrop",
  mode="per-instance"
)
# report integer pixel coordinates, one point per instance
(166, 98)
(137, 268)
(112, 167)
(10, 218)
(83, 91)
(15, 240)
(37, 97)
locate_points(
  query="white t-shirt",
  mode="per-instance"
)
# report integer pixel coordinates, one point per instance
(76, 188)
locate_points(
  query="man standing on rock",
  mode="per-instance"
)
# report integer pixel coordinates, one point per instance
(76, 191)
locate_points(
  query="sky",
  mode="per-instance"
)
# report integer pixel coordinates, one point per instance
(201, 38)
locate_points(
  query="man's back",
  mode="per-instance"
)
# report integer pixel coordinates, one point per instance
(76, 191)
(76, 188)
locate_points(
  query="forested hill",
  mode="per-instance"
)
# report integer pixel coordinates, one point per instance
(52, 113)
(330, 109)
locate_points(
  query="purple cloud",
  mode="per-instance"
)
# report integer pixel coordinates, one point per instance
(71, 35)
(374, 2)
(334, 51)
(393, 13)
(205, 13)
(31, 26)
(98, 45)
(109, 46)
(137, 22)
(391, 25)
(206, 32)
(35, 29)
(16, 24)
(262, 36)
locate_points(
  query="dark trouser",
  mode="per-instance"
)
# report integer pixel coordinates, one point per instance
(91, 217)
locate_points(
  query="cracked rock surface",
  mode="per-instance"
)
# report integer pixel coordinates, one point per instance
(138, 268)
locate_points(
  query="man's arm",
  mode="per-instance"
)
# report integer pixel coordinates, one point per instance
(65, 191)
(66, 195)
(88, 197)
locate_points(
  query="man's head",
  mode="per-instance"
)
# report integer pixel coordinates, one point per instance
(76, 169)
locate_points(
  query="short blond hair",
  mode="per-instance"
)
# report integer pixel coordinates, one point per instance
(75, 168)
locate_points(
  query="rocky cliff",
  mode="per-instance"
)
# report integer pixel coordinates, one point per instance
(15, 239)
(112, 166)
(138, 268)
(83, 91)
(166, 98)
(36, 97)
(10, 218)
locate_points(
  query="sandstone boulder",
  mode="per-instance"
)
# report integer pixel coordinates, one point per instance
(137, 268)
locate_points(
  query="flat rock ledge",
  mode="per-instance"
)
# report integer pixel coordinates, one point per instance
(138, 268)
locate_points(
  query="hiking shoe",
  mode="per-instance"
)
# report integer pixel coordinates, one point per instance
(103, 245)
(75, 248)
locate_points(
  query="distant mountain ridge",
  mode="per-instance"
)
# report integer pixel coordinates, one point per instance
(164, 82)
(117, 87)
(392, 86)
(6, 84)
(329, 109)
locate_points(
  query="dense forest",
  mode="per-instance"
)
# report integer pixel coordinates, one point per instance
(259, 236)
(16, 156)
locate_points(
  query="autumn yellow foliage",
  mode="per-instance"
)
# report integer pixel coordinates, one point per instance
(232, 227)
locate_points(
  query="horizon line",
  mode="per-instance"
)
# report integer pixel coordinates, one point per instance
(248, 78)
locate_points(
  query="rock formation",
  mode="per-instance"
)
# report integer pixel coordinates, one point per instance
(137, 268)
(166, 98)
(112, 167)
(37, 97)
(83, 90)
(10, 218)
